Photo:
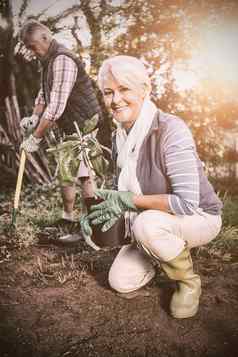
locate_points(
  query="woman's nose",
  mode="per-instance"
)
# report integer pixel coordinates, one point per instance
(116, 98)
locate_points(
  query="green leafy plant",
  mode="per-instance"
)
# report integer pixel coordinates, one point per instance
(76, 148)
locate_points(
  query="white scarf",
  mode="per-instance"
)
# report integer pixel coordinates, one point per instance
(128, 147)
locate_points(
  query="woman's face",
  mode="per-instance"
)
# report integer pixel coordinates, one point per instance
(124, 103)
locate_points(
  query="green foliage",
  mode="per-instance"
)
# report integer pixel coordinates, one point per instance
(230, 211)
(77, 148)
(227, 188)
(163, 37)
(39, 206)
(224, 246)
(5, 7)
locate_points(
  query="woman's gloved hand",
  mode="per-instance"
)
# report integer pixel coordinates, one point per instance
(115, 204)
(85, 227)
(86, 231)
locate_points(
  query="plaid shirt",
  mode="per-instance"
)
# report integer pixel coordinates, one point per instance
(64, 76)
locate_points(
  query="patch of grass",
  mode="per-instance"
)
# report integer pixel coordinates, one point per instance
(228, 237)
(227, 240)
(230, 211)
(52, 268)
(225, 245)
(40, 205)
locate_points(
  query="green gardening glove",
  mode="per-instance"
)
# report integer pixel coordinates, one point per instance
(85, 227)
(115, 204)
(87, 232)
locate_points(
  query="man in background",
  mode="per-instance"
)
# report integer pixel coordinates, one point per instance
(66, 96)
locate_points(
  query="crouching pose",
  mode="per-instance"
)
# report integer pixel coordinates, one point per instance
(162, 187)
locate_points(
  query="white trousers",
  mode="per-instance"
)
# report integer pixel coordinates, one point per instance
(163, 236)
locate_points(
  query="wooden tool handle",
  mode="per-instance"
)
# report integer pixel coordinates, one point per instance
(19, 178)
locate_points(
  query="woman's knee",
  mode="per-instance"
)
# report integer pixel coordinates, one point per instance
(155, 234)
(141, 227)
(131, 270)
(117, 281)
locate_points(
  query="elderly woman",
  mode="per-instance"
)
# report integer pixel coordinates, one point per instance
(161, 185)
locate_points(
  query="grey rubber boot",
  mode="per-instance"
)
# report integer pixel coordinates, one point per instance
(185, 300)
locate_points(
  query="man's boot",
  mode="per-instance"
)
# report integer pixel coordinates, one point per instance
(185, 300)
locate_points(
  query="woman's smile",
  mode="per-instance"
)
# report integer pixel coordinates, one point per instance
(125, 103)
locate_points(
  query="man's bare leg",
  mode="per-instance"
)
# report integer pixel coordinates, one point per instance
(87, 190)
(68, 196)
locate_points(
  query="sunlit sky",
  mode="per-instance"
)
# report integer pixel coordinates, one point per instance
(213, 59)
(36, 6)
(54, 7)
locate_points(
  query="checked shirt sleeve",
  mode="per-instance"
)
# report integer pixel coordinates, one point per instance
(64, 76)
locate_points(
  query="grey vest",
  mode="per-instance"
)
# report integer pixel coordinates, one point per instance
(151, 170)
(82, 103)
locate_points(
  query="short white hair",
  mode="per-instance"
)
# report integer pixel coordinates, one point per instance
(127, 70)
(31, 27)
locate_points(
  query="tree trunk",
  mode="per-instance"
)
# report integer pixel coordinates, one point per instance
(10, 137)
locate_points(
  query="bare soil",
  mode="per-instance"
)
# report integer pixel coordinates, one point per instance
(55, 301)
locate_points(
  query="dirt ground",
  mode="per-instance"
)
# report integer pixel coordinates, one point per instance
(56, 302)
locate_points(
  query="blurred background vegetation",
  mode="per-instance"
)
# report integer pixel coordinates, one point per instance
(190, 50)
(188, 47)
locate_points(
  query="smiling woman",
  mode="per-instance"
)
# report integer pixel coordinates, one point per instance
(162, 191)
(124, 103)
(124, 88)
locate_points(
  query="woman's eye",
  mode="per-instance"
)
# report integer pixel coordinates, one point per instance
(124, 89)
(107, 93)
